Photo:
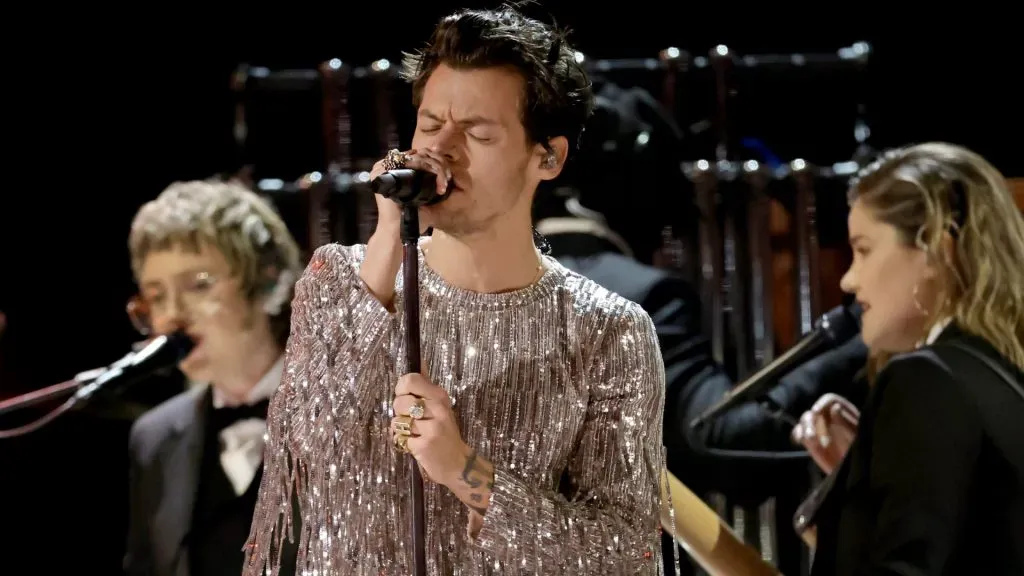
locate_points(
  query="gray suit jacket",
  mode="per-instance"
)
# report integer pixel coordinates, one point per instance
(165, 449)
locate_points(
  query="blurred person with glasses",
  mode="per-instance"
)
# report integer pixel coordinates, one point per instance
(214, 261)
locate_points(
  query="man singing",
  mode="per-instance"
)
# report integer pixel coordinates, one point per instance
(537, 421)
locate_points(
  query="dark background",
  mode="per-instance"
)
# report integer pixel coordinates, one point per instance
(104, 109)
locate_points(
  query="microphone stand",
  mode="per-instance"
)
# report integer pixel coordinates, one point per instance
(44, 395)
(163, 350)
(40, 396)
(410, 234)
(411, 189)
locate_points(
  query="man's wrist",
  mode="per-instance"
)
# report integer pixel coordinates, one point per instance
(455, 480)
(473, 482)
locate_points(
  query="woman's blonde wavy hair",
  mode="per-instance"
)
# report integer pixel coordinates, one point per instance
(936, 194)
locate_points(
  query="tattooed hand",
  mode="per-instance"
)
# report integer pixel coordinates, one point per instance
(437, 445)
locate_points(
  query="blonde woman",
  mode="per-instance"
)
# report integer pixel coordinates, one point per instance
(933, 481)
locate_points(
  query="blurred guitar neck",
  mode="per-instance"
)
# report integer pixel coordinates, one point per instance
(704, 536)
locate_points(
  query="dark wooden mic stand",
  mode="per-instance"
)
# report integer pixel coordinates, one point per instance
(411, 293)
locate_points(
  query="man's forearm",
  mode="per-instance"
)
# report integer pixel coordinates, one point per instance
(379, 268)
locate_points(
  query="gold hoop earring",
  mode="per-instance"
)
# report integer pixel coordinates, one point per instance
(917, 303)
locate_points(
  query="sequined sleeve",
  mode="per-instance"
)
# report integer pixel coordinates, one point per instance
(610, 525)
(334, 319)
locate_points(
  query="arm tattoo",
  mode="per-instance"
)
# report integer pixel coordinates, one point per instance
(468, 471)
(475, 474)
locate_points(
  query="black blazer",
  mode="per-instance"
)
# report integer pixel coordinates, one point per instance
(934, 482)
(695, 382)
(165, 451)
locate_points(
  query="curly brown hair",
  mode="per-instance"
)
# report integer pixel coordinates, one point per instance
(558, 97)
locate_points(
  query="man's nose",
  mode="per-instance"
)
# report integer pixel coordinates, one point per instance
(447, 144)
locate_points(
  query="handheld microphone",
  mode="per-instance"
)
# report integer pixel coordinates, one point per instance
(833, 328)
(409, 187)
(160, 353)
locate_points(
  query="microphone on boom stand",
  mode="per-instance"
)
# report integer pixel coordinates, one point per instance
(411, 189)
(157, 354)
(833, 329)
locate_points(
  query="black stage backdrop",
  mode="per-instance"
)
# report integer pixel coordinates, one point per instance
(105, 108)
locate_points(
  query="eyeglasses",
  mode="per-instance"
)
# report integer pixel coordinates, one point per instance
(185, 295)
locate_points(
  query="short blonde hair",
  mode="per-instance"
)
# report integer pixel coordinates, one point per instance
(230, 218)
(931, 190)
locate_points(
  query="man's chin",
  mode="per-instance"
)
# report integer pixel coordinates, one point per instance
(450, 223)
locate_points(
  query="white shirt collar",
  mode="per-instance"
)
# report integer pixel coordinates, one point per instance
(263, 389)
(242, 443)
(936, 331)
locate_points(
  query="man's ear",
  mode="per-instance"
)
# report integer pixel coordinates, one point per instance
(552, 158)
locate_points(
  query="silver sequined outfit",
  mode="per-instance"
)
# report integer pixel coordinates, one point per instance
(560, 377)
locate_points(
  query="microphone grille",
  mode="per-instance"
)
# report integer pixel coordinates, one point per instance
(181, 343)
(170, 348)
(841, 323)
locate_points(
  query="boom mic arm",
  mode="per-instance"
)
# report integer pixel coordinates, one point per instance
(832, 329)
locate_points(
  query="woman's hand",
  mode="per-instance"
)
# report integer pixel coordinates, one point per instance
(827, 430)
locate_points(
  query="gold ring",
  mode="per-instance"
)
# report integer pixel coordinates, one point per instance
(418, 409)
(402, 443)
(403, 425)
(395, 159)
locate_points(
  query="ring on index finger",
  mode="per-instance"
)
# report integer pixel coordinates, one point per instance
(395, 159)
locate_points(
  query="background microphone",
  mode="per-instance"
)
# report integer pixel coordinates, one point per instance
(161, 352)
(834, 328)
(409, 187)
